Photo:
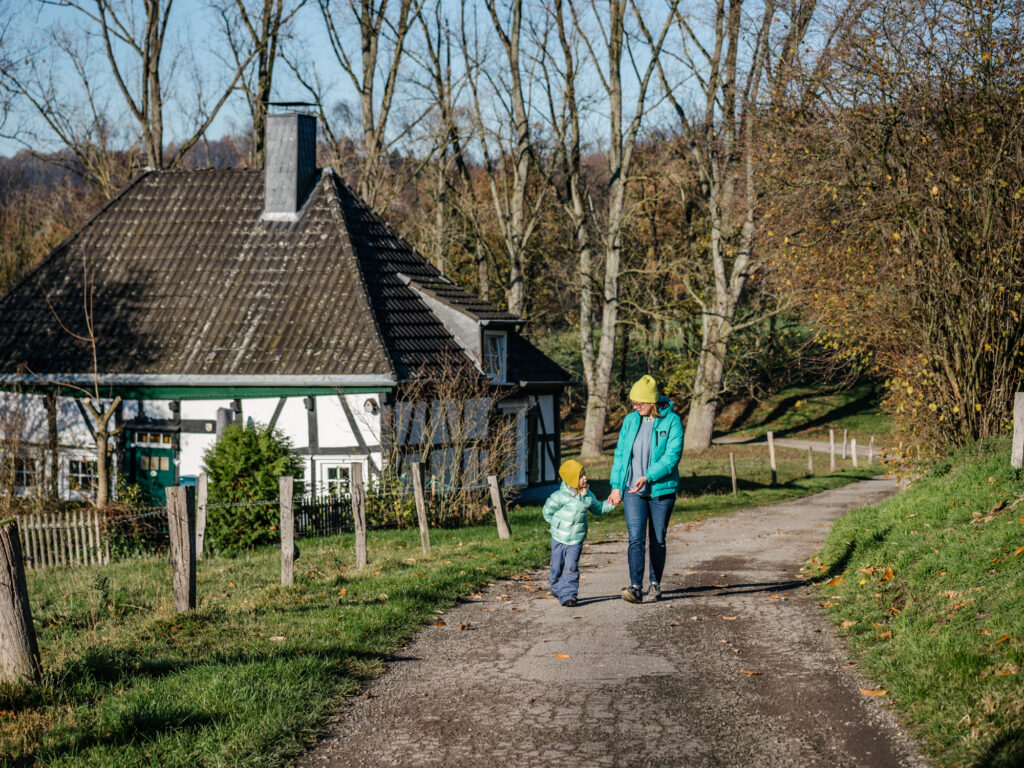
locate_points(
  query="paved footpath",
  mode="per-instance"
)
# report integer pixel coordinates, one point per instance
(514, 679)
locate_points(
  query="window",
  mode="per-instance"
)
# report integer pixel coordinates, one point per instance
(336, 480)
(24, 471)
(495, 355)
(81, 474)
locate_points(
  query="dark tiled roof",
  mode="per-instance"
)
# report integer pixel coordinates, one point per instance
(189, 281)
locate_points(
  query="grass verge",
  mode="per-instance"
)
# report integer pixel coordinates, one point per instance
(249, 677)
(928, 587)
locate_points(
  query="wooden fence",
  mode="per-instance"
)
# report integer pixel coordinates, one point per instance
(76, 537)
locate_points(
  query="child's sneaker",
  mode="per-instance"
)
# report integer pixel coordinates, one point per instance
(632, 594)
(654, 590)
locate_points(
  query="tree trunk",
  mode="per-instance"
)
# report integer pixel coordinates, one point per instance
(52, 487)
(19, 653)
(707, 384)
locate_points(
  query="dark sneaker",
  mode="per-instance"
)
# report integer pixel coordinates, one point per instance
(632, 594)
(654, 590)
(570, 603)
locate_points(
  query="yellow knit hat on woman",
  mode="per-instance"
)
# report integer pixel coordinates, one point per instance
(570, 472)
(645, 390)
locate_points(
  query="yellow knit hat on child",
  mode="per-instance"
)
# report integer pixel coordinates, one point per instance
(645, 390)
(570, 472)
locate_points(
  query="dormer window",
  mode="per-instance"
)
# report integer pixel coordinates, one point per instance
(496, 355)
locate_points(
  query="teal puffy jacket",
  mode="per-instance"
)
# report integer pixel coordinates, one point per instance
(566, 512)
(666, 450)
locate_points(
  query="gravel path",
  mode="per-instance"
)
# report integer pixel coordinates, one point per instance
(736, 666)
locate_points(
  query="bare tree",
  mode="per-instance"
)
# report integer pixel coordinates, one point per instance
(608, 49)
(517, 178)
(254, 33)
(729, 63)
(131, 42)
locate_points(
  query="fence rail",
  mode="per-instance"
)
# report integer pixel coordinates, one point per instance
(77, 537)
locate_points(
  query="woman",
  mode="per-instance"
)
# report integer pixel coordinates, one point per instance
(645, 475)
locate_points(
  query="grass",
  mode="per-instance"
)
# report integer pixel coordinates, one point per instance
(249, 677)
(808, 412)
(929, 590)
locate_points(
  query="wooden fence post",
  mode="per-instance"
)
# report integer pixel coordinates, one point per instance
(845, 431)
(1017, 452)
(871, 449)
(831, 450)
(810, 461)
(732, 469)
(771, 456)
(359, 513)
(421, 505)
(500, 516)
(181, 525)
(19, 652)
(853, 450)
(286, 486)
(202, 490)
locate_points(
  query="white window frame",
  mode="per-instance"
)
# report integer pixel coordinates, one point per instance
(501, 374)
(89, 466)
(333, 486)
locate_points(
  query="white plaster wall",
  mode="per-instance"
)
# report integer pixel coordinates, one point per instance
(158, 409)
(292, 421)
(192, 447)
(333, 430)
(260, 410)
(205, 410)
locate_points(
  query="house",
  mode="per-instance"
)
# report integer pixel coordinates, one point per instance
(275, 297)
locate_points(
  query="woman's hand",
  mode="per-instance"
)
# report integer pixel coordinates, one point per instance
(615, 497)
(639, 484)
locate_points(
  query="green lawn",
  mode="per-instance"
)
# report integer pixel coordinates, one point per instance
(928, 588)
(807, 412)
(249, 677)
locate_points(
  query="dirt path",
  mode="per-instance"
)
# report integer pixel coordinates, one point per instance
(514, 679)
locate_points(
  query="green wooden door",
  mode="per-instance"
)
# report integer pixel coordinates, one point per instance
(152, 463)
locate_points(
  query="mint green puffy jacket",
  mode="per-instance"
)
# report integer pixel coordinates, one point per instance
(566, 512)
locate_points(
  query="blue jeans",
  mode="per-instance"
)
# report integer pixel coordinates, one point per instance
(651, 514)
(565, 569)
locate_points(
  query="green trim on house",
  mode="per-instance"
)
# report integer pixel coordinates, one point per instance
(205, 393)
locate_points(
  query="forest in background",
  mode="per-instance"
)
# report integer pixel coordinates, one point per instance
(736, 195)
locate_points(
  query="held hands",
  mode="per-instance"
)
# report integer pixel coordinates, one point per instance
(615, 497)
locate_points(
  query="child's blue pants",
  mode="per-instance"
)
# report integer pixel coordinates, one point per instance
(565, 569)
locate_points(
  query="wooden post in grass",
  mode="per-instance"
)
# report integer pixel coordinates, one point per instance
(853, 450)
(359, 513)
(202, 489)
(500, 517)
(732, 469)
(810, 462)
(181, 524)
(1017, 451)
(771, 456)
(871, 449)
(287, 486)
(421, 505)
(844, 442)
(831, 450)
(19, 652)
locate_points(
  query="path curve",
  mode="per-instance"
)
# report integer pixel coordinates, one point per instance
(514, 679)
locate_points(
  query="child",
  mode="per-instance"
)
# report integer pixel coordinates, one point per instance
(566, 511)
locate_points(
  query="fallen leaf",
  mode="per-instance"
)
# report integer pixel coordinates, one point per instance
(873, 692)
(885, 635)
(1002, 639)
(887, 575)
(465, 625)
(749, 672)
(440, 624)
(851, 665)
(673, 623)
(342, 591)
(828, 605)
(848, 623)
(367, 695)
(1018, 550)
(730, 618)
(278, 639)
(773, 597)
(382, 596)
(542, 597)
(562, 656)
(835, 580)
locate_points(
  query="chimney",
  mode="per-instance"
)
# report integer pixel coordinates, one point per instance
(290, 165)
